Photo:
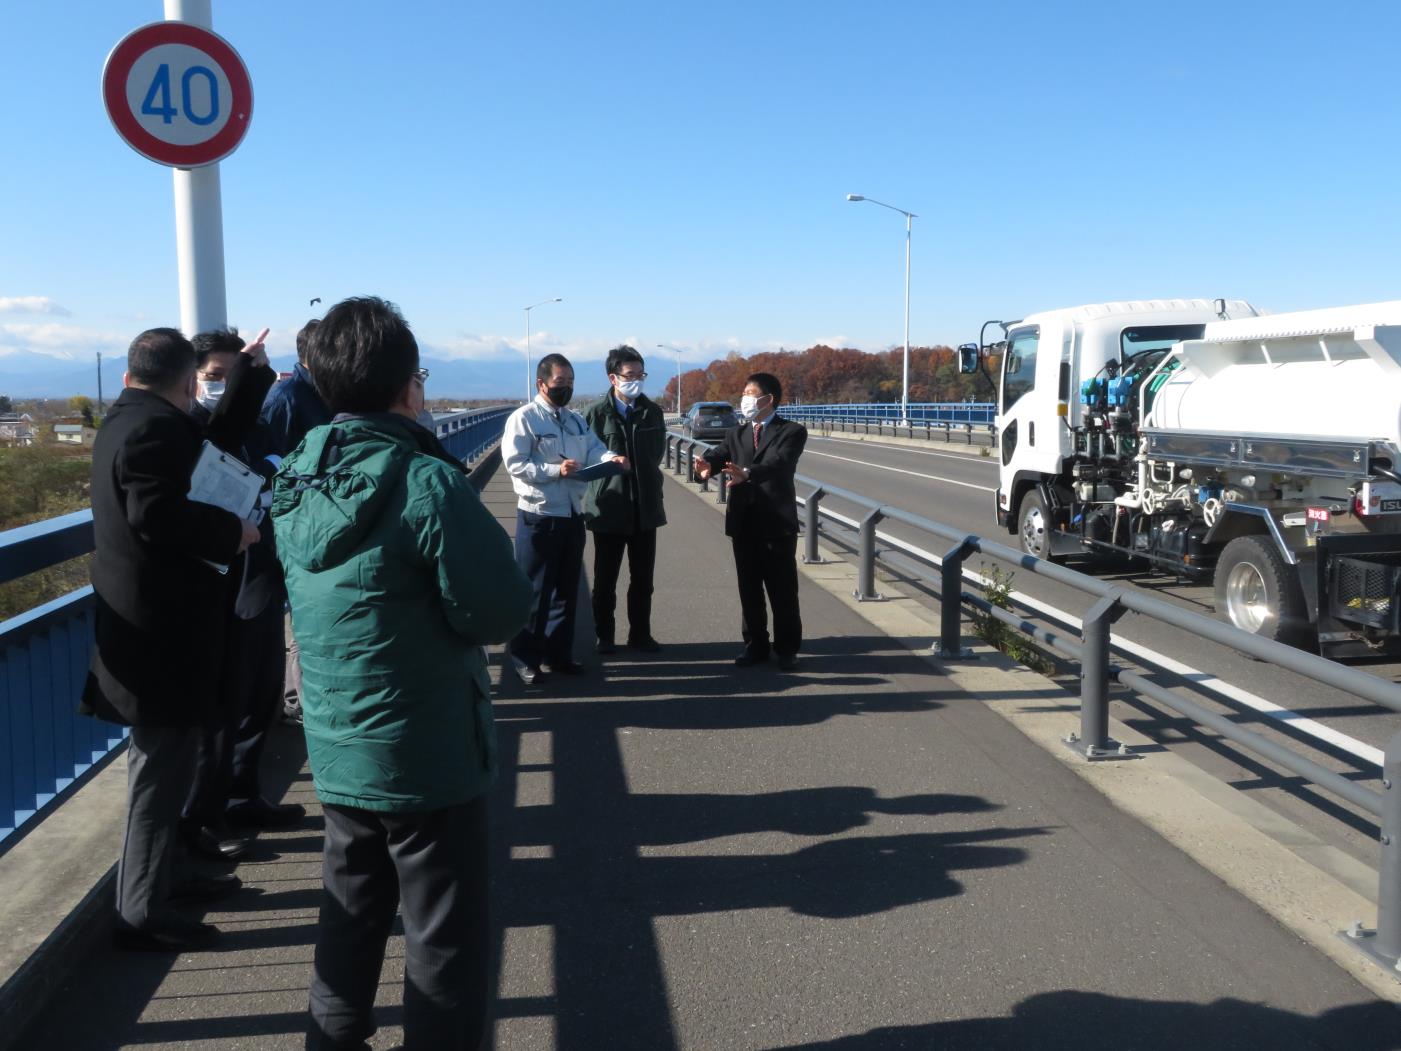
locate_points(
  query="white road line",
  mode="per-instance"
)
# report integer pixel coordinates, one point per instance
(901, 470)
(986, 461)
(1312, 727)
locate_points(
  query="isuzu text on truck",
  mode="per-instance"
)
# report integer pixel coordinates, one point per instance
(1258, 451)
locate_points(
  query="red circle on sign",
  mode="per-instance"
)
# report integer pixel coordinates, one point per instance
(196, 155)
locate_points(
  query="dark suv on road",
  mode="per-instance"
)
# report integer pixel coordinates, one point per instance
(709, 420)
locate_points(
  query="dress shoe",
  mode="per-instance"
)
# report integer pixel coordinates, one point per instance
(206, 888)
(528, 673)
(259, 813)
(167, 935)
(749, 657)
(645, 643)
(217, 844)
(606, 646)
(788, 661)
(566, 668)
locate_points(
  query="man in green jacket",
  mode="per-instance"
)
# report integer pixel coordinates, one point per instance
(624, 511)
(397, 576)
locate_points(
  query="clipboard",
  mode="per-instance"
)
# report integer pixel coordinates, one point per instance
(224, 481)
(606, 469)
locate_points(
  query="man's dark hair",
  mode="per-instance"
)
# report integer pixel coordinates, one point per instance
(768, 383)
(216, 341)
(548, 364)
(159, 358)
(304, 339)
(361, 355)
(623, 355)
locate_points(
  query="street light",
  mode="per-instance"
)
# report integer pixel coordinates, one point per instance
(677, 352)
(530, 376)
(905, 378)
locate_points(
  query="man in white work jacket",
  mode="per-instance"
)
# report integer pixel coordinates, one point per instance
(544, 448)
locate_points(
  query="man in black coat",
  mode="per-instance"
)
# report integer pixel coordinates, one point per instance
(160, 609)
(759, 459)
(624, 511)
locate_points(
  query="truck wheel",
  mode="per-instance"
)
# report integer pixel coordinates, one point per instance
(1256, 590)
(1034, 527)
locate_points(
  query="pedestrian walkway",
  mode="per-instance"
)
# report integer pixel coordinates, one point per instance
(854, 856)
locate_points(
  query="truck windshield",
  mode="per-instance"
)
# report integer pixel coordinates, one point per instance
(1135, 341)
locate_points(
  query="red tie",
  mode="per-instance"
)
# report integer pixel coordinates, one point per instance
(757, 427)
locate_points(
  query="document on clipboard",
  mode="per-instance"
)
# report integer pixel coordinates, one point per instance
(606, 469)
(225, 481)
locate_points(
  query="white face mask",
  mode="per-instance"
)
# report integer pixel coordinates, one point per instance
(209, 392)
(749, 406)
(629, 388)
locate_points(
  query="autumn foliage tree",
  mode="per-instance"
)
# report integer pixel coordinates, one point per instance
(829, 375)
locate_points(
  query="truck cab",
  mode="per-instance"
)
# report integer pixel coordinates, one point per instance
(1046, 359)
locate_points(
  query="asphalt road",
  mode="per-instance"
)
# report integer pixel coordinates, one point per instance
(957, 489)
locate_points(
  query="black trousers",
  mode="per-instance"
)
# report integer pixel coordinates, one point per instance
(550, 551)
(158, 764)
(768, 564)
(231, 739)
(608, 549)
(435, 864)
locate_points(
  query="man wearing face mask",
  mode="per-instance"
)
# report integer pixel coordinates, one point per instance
(544, 447)
(759, 458)
(624, 511)
(232, 381)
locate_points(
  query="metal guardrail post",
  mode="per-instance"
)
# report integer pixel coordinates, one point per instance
(812, 518)
(866, 558)
(1383, 945)
(950, 645)
(669, 440)
(968, 429)
(1093, 740)
(722, 488)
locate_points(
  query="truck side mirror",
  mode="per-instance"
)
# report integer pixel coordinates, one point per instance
(968, 358)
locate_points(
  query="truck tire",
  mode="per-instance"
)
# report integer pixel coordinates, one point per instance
(1034, 527)
(1257, 591)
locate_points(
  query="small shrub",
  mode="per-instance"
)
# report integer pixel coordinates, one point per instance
(998, 592)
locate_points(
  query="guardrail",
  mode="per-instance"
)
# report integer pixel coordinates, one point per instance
(927, 430)
(1097, 670)
(976, 412)
(46, 748)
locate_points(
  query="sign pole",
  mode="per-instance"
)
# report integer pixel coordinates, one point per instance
(199, 217)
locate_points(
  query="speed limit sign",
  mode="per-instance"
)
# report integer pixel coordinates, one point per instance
(178, 94)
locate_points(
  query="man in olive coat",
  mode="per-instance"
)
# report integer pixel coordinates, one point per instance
(624, 511)
(160, 627)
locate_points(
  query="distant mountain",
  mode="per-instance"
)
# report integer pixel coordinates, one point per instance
(25, 374)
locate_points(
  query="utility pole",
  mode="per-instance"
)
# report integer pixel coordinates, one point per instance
(100, 410)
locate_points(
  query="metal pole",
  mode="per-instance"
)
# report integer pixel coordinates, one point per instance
(678, 383)
(905, 381)
(866, 558)
(529, 387)
(100, 409)
(1383, 945)
(1093, 740)
(199, 217)
(811, 523)
(950, 644)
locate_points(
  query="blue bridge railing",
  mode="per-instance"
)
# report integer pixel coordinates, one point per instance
(468, 434)
(919, 412)
(46, 747)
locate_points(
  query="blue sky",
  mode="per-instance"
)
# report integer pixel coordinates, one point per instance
(677, 171)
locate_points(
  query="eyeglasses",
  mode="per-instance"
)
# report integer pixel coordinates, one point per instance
(421, 375)
(631, 376)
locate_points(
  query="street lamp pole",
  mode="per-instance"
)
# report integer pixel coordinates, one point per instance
(905, 375)
(530, 376)
(677, 352)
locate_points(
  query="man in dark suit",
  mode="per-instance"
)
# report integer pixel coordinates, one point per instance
(759, 459)
(160, 609)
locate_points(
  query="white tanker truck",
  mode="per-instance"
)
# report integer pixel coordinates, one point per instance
(1260, 451)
